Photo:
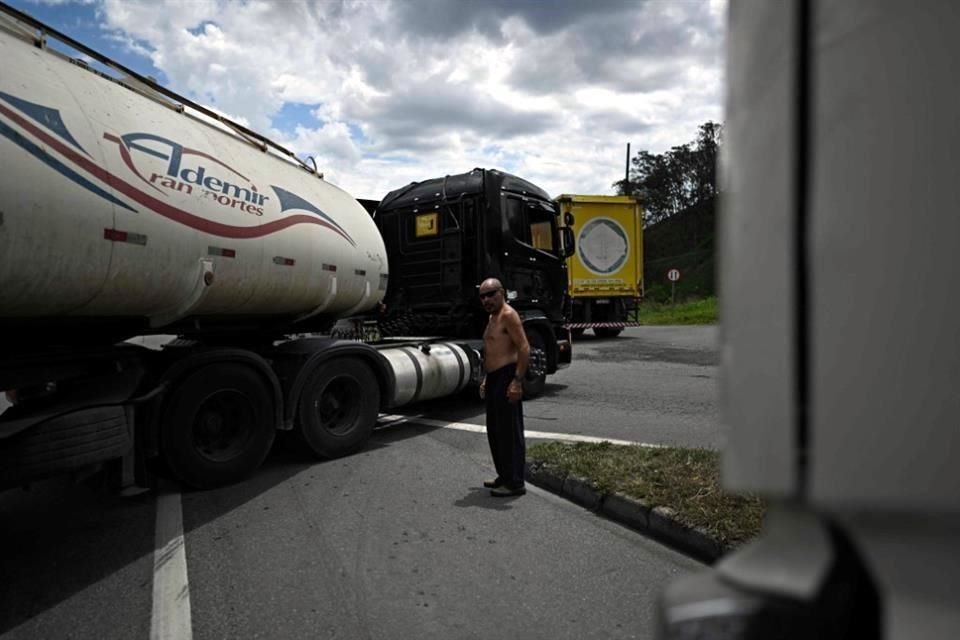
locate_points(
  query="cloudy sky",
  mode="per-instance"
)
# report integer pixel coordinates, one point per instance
(385, 92)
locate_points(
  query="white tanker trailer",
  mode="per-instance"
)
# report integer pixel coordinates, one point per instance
(128, 210)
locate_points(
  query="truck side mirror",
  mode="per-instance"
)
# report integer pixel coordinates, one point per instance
(566, 236)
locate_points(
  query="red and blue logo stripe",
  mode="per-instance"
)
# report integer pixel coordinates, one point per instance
(45, 125)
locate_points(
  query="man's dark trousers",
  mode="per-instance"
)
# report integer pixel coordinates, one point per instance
(505, 428)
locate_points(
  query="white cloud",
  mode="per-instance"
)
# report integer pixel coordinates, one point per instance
(55, 3)
(550, 92)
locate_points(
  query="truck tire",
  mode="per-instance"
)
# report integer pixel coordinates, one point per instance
(64, 443)
(606, 332)
(534, 383)
(217, 426)
(338, 407)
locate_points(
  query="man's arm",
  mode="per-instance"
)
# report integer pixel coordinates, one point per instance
(519, 337)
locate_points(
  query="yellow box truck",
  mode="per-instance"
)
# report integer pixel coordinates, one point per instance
(605, 272)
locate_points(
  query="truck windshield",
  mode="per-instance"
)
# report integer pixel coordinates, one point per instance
(531, 222)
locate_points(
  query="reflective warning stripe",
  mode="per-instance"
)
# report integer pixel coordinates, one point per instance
(116, 235)
(220, 251)
(601, 325)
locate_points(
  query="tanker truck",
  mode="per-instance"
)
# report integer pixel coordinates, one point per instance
(129, 211)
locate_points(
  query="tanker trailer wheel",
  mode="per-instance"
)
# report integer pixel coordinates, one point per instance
(218, 425)
(536, 378)
(338, 407)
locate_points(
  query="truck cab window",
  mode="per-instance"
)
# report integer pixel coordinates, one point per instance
(532, 223)
(541, 235)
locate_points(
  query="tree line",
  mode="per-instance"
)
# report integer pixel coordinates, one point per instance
(675, 180)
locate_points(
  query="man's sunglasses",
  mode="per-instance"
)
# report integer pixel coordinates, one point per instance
(488, 294)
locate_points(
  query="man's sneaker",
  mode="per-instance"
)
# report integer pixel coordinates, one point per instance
(505, 491)
(490, 484)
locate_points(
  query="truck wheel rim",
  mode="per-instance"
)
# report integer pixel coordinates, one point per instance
(223, 425)
(338, 406)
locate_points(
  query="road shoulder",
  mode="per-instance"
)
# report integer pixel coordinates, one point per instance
(657, 523)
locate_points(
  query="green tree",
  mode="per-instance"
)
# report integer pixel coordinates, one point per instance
(670, 182)
(705, 168)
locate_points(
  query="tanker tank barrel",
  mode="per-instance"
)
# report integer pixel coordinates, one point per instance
(177, 217)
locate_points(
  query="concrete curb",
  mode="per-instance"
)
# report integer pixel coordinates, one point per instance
(657, 522)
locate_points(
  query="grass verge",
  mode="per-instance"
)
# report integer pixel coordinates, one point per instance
(694, 312)
(686, 481)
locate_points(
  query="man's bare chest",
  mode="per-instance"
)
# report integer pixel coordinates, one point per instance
(495, 331)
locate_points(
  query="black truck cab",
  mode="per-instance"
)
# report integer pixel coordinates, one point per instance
(444, 236)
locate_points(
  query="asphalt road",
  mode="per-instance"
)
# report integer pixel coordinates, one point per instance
(397, 541)
(650, 384)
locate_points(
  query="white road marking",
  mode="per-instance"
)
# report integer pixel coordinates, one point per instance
(171, 590)
(393, 419)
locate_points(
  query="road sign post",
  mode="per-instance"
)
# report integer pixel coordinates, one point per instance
(673, 275)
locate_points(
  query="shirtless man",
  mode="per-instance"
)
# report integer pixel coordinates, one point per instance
(506, 354)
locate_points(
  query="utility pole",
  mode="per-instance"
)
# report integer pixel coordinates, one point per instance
(626, 174)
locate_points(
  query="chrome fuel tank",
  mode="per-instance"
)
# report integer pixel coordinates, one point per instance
(431, 370)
